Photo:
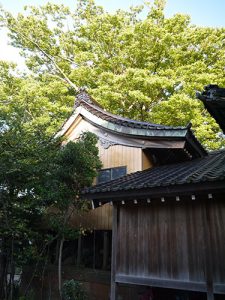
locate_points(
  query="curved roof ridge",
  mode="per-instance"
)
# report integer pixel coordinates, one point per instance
(84, 99)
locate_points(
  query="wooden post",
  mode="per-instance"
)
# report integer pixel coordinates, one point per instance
(208, 252)
(113, 295)
(79, 251)
(105, 250)
(210, 294)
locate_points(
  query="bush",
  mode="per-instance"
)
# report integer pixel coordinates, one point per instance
(30, 296)
(73, 290)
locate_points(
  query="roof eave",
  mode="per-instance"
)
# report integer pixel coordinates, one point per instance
(155, 192)
(195, 145)
(129, 131)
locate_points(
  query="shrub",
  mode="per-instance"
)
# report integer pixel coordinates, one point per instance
(73, 290)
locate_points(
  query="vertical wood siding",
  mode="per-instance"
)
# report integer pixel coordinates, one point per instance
(146, 161)
(114, 156)
(119, 155)
(169, 241)
(99, 218)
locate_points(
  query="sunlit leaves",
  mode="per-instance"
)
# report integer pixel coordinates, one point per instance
(130, 63)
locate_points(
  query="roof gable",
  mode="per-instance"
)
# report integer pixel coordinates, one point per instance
(88, 109)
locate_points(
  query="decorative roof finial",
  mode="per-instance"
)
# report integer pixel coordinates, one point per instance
(211, 91)
(82, 95)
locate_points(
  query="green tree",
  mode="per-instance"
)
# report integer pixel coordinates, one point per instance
(76, 165)
(33, 101)
(25, 160)
(26, 150)
(136, 67)
(35, 173)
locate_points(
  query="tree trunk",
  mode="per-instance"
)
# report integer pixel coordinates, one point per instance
(78, 262)
(12, 271)
(60, 266)
(3, 274)
(11, 282)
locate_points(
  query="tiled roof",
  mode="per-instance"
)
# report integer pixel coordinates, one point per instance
(138, 129)
(207, 169)
(89, 109)
(85, 100)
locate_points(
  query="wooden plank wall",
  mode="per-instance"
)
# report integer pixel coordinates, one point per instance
(119, 155)
(169, 241)
(116, 155)
(217, 240)
(146, 160)
(98, 219)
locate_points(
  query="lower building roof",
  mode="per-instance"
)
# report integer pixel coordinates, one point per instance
(163, 179)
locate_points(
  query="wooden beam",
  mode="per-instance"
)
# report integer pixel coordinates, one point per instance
(219, 288)
(113, 293)
(210, 294)
(155, 192)
(162, 283)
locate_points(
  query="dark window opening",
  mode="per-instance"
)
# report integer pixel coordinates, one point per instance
(96, 250)
(92, 250)
(111, 173)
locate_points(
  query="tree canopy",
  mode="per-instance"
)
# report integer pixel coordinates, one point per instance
(35, 172)
(146, 68)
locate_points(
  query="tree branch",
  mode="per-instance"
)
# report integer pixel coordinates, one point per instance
(49, 57)
(66, 58)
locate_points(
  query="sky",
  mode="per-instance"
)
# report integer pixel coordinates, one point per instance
(203, 13)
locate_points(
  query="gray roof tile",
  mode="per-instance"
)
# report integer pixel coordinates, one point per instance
(85, 100)
(206, 169)
(140, 129)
